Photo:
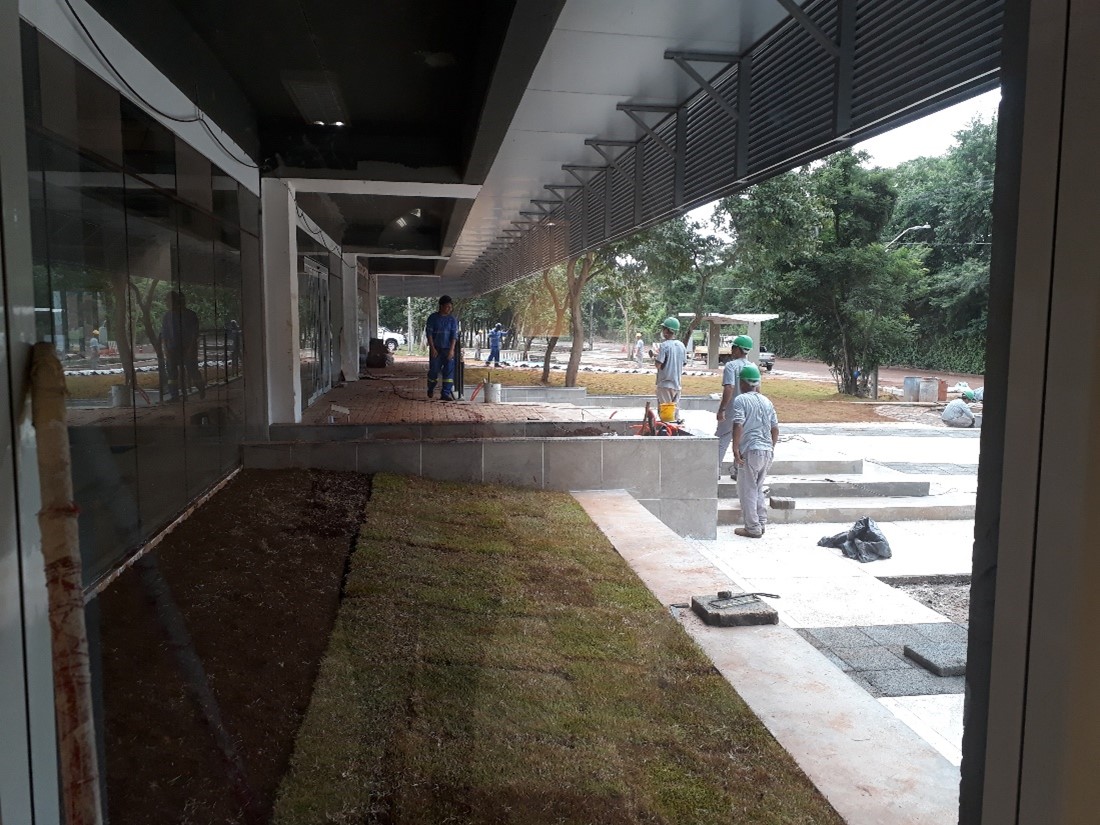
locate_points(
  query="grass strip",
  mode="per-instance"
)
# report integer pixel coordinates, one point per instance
(495, 661)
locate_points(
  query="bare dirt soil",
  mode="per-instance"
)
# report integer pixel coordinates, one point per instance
(950, 600)
(211, 646)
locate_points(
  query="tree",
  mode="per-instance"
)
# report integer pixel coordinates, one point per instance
(822, 263)
(691, 267)
(953, 194)
(579, 270)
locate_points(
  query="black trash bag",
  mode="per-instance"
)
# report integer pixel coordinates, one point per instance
(863, 542)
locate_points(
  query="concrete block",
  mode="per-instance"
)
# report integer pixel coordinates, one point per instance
(871, 658)
(895, 634)
(838, 637)
(651, 504)
(518, 463)
(401, 457)
(631, 464)
(781, 503)
(943, 659)
(451, 460)
(688, 467)
(944, 633)
(267, 456)
(572, 464)
(911, 682)
(325, 455)
(695, 518)
(733, 609)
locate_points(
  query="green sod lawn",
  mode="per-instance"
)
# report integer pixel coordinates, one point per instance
(495, 661)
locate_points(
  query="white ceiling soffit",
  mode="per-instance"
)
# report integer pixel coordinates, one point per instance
(601, 53)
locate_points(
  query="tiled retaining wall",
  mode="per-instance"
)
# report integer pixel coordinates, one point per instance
(674, 478)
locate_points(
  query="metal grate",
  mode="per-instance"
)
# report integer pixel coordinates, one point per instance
(906, 59)
(657, 172)
(710, 161)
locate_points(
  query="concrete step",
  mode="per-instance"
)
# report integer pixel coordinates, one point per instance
(808, 466)
(838, 485)
(847, 510)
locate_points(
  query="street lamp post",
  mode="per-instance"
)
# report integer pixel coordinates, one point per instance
(906, 231)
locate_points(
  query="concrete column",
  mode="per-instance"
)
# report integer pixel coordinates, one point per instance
(28, 755)
(371, 309)
(714, 344)
(1032, 738)
(280, 284)
(349, 337)
(754, 334)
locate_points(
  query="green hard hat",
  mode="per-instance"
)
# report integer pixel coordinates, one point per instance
(968, 395)
(671, 323)
(743, 341)
(750, 373)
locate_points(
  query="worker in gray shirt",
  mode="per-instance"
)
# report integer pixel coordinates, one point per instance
(731, 388)
(755, 433)
(670, 358)
(958, 412)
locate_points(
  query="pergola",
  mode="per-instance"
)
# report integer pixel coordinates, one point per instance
(717, 320)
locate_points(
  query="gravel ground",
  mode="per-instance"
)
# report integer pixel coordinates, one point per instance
(950, 600)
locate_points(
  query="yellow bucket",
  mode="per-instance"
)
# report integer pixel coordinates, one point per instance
(666, 412)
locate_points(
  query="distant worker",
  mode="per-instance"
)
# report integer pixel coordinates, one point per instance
(755, 433)
(639, 349)
(179, 339)
(731, 388)
(442, 334)
(495, 335)
(93, 348)
(670, 359)
(958, 412)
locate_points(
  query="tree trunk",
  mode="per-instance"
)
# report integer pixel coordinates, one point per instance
(576, 282)
(57, 520)
(551, 342)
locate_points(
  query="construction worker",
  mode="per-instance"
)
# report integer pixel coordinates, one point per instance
(639, 348)
(755, 433)
(495, 334)
(442, 333)
(670, 359)
(731, 388)
(958, 412)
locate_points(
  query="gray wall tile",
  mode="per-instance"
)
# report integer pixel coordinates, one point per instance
(267, 456)
(402, 457)
(451, 460)
(632, 464)
(518, 463)
(695, 518)
(572, 464)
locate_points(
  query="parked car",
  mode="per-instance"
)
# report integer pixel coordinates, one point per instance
(766, 359)
(394, 340)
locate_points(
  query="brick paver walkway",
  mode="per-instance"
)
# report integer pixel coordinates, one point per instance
(396, 395)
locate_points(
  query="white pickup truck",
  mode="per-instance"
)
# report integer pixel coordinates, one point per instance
(765, 361)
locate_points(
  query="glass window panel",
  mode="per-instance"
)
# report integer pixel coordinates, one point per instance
(79, 240)
(201, 334)
(152, 255)
(148, 149)
(229, 372)
(193, 179)
(227, 206)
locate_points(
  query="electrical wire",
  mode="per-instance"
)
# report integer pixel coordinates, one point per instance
(195, 118)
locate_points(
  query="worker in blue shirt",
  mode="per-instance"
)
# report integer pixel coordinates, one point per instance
(495, 334)
(442, 333)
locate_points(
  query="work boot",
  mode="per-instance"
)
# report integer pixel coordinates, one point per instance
(747, 533)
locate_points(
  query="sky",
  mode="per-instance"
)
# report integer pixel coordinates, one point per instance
(930, 136)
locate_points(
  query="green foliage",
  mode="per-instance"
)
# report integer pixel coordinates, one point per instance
(808, 245)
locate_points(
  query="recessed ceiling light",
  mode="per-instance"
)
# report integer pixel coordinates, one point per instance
(338, 123)
(318, 123)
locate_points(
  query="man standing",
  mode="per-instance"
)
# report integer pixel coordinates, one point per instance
(958, 412)
(179, 340)
(639, 349)
(731, 388)
(495, 334)
(670, 359)
(755, 433)
(442, 333)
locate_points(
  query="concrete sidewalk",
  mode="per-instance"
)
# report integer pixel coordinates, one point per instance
(870, 764)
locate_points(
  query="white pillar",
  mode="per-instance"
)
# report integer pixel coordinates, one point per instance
(281, 351)
(714, 345)
(371, 309)
(349, 334)
(754, 334)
